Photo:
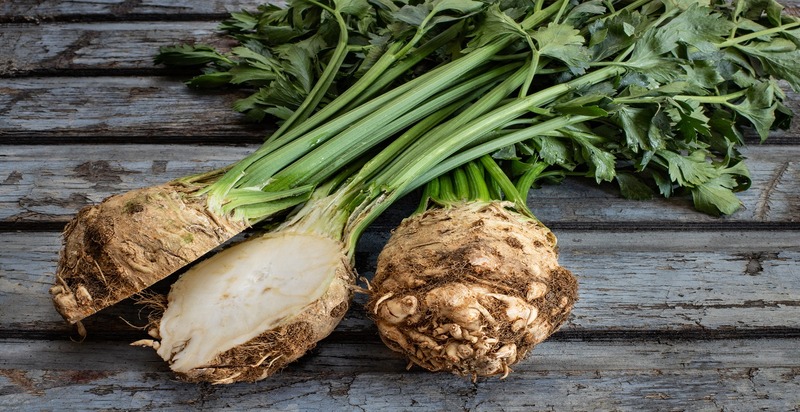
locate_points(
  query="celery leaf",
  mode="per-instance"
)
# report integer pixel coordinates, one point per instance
(631, 187)
(563, 42)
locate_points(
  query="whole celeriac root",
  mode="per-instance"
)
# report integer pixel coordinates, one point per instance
(128, 242)
(470, 289)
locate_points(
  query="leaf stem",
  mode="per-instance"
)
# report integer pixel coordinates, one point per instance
(384, 122)
(498, 143)
(525, 182)
(754, 35)
(476, 178)
(509, 190)
(722, 99)
(326, 78)
(376, 203)
(560, 12)
(537, 7)
(633, 6)
(412, 164)
(533, 68)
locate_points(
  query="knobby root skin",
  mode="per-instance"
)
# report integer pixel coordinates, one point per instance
(128, 242)
(470, 289)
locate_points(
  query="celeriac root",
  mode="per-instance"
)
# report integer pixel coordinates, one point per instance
(128, 242)
(470, 289)
(249, 310)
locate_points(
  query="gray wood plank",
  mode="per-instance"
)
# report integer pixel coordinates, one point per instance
(55, 108)
(44, 48)
(684, 275)
(133, 107)
(35, 10)
(670, 375)
(73, 176)
(78, 175)
(771, 198)
(58, 9)
(703, 282)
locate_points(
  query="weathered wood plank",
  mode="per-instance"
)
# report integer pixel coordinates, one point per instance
(772, 197)
(636, 281)
(77, 175)
(45, 48)
(55, 9)
(42, 48)
(705, 282)
(53, 108)
(669, 375)
(133, 107)
(36, 10)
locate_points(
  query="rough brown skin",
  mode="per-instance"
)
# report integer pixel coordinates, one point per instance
(470, 289)
(128, 242)
(272, 350)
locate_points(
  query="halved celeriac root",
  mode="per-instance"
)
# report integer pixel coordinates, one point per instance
(470, 289)
(130, 241)
(251, 309)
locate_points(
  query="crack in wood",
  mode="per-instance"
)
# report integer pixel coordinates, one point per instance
(130, 390)
(746, 304)
(65, 58)
(343, 390)
(468, 395)
(125, 7)
(754, 265)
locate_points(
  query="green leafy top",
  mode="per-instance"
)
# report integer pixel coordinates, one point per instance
(284, 51)
(671, 123)
(648, 94)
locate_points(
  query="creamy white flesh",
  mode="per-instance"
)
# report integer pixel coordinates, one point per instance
(242, 292)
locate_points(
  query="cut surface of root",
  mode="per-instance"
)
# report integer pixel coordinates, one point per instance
(249, 310)
(128, 242)
(469, 289)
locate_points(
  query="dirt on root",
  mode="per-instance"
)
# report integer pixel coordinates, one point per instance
(128, 242)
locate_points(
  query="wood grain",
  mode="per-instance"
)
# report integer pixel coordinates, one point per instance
(138, 108)
(656, 282)
(357, 376)
(58, 109)
(44, 10)
(78, 48)
(677, 310)
(77, 175)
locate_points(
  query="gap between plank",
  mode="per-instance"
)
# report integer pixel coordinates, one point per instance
(611, 226)
(371, 335)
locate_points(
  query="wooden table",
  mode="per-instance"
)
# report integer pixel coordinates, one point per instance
(678, 310)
